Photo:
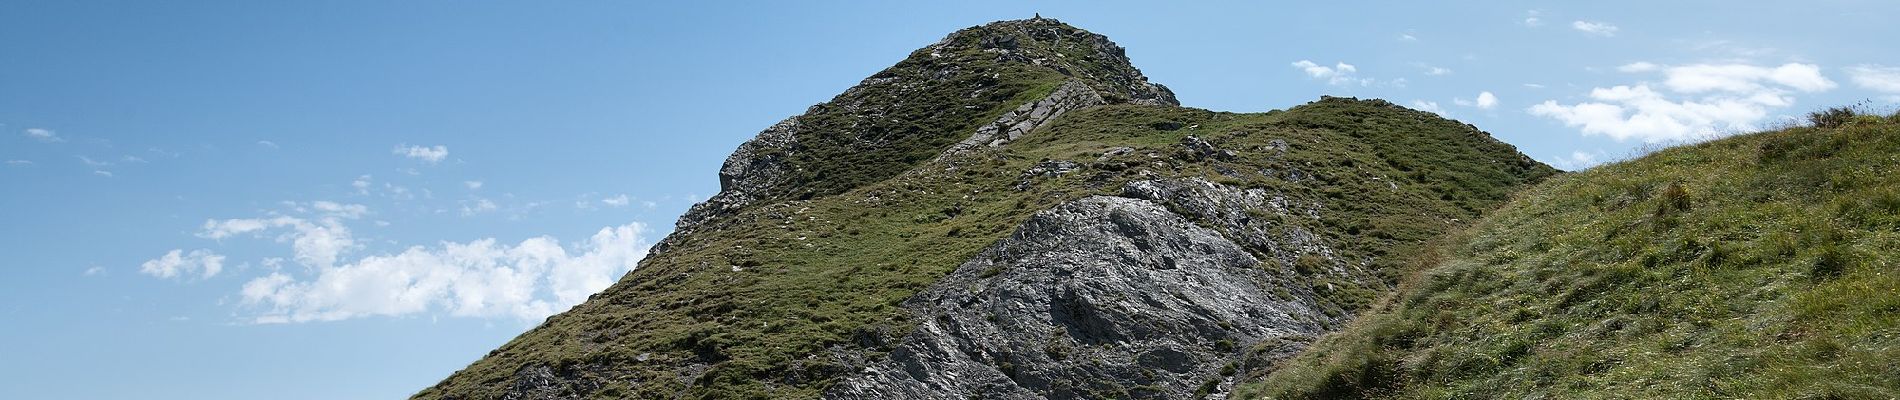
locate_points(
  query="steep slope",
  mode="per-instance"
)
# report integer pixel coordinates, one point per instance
(1760, 266)
(845, 239)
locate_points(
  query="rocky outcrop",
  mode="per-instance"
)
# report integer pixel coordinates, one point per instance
(752, 172)
(1072, 95)
(1255, 218)
(1103, 297)
(541, 382)
(1070, 51)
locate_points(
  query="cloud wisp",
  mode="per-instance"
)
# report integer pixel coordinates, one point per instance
(1339, 73)
(43, 135)
(1594, 28)
(484, 278)
(1485, 101)
(1877, 78)
(178, 264)
(430, 154)
(1692, 102)
(1577, 160)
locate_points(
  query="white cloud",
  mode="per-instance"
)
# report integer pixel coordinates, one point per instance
(103, 173)
(1407, 37)
(1485, 100)
(398, 192)
(529, 280)
(95, 271)
(94, 163)
(315, 243)
(215, 229)
(1428, 106)
(177, 263)
(21, 163)
(44, 135)
(1731, 49)
(1639, 66)
(472, 185)
(1595, 28)
(1743, 78)
(130, 159)
(1437, 71)
(1338, 74)
(267, 144)
(1577, 161)
(334, 209)
(478, 206)
(431, 154)
(1625, 112)
(1533, 18)
(361, 184)
(1705, 100)
(1877, 78)
(1534, 85)
(617, 201)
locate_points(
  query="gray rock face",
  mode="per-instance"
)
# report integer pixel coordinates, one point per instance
(1199, 149)
(1107, 63)
(1253, 217)
(1044, 170)
(1102, 297)
(1072, 95)
(541, 382)
(752, 172)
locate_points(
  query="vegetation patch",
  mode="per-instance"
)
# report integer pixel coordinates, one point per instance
(1759, 266)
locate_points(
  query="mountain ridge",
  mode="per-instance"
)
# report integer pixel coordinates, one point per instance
(814, 269)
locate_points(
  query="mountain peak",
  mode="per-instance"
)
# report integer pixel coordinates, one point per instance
(1064, 48)
(942, 94)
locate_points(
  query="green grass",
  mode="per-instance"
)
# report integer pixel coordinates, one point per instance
(1760, 266)
(822, 277)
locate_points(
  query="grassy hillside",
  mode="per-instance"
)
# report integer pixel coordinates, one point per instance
(1760, 266)
(779, 300)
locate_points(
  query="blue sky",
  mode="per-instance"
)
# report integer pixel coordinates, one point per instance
(329, 200)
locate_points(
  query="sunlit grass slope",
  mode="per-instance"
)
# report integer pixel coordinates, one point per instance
(1765, 266)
